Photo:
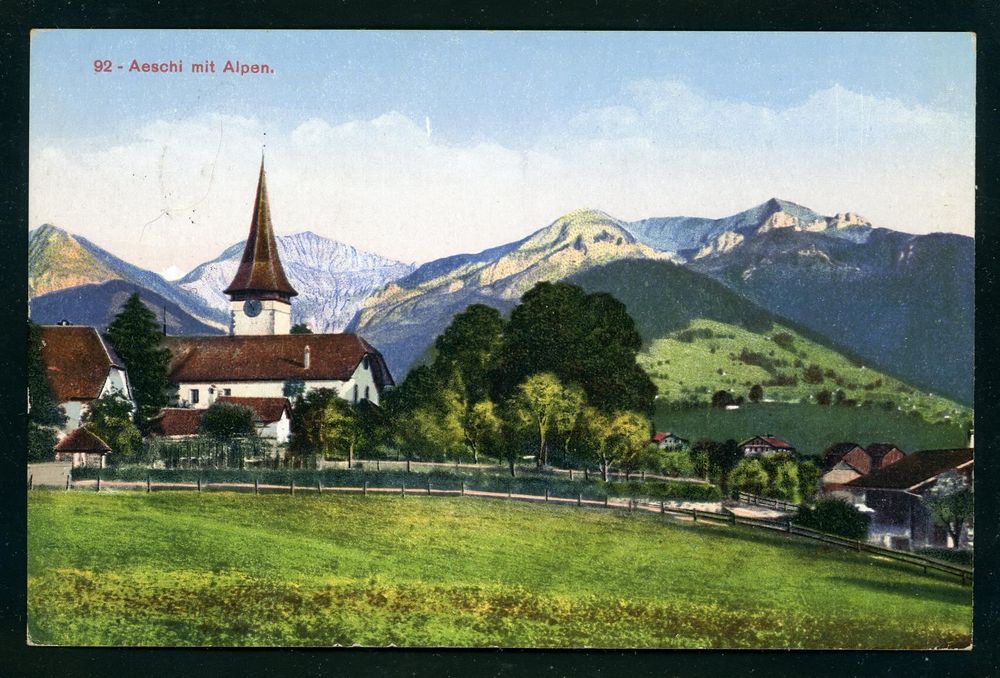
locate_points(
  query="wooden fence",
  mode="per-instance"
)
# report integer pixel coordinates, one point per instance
(768, 502)
(928, 565)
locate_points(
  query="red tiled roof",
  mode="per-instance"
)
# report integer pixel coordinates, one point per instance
(260, 272)
(266, 410)
(914, 470)
(836, 452)
(878, 450)
(77, 361)
(659, 437)
(177, 421)
(773, 441)
(272, 358)
(82, 440)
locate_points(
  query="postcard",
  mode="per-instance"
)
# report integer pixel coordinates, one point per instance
(501, 339)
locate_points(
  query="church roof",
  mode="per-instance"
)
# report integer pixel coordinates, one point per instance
(279, 357)
(82, 440)
(260, 271)
(77, 361)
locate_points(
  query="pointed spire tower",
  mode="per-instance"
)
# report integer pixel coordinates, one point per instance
(260, 294)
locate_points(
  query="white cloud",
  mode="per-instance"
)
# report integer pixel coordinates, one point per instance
(176, 193)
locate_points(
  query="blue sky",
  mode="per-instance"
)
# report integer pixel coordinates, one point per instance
(536, 120)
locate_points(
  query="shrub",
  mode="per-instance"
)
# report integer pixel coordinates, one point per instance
(813, 374)
(824, 397)
(756, 393)
(784, 340)
(749, 476)
(836, 517)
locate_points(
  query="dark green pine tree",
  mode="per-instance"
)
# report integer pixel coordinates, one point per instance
(43, 411)
(138, 340)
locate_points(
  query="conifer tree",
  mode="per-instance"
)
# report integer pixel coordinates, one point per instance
(138, 340)
(43, 412)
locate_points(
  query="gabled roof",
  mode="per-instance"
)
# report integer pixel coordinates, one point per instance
(177, 421)
(878, 450)
(260, 272)
(77, 361)
(266, 410)
(279, 357)
(836, 453)
(915, 470)
(82, 440)
(773, 441)
(660, 436)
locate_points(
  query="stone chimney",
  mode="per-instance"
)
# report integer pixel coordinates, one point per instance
(305, 359)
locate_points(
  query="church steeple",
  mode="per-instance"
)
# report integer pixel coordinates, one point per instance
(260, 275)
(260, 294)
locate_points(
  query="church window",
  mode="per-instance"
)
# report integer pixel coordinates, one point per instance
(194, 396)
(355, 394)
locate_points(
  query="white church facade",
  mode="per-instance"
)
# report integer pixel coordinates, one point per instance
(261, 358)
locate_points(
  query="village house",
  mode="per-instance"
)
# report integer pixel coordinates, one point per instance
(82, 449)
(260, 358)
(765, 446)
(897, 497)
(844, 462)
(669, 441)
(272, 418)
(81, 367)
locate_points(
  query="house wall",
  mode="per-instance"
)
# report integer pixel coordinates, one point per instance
(74, 410)
(279, 430)
(361, 378)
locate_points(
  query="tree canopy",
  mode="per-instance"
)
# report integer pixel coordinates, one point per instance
(227, 420)
(43, 411)
(110, 419)
(138, 339)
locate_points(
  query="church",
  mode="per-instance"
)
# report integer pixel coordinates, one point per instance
(260, 358)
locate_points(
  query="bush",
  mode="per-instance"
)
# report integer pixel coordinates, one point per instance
(836, 517)
(784, 340)
(813, 374)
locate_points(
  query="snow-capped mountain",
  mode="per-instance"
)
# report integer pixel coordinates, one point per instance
(332, 278)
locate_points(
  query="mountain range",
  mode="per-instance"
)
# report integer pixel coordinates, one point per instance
(887, 298)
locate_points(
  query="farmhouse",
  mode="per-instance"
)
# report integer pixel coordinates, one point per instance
(668, 441)
(766, 445)
(844, 462)
(82, 448)
(898, 495)
(261, 358)
(272, 417)
(81, 367)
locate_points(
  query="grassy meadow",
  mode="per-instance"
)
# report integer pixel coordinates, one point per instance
(690, 364)
(811, 428)
(128, 568)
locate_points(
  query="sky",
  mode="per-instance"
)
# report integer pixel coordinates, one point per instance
(420, 144)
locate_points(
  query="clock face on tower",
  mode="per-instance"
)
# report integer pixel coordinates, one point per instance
(252, 307)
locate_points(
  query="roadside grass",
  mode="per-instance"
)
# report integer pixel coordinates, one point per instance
(231, 569)
(811, 428)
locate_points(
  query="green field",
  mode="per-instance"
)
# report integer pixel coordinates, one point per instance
(811, 428)
(225, 569)
(692, 363)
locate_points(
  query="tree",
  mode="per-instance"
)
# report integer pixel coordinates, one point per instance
(138, 340)
(110, 419)
(756, 393)
(836, 517)
(722, 399)
(223, 421)
(823, 397)
(43, 412)
(749, 476)
(595, 434)
(468, 347)
(543, 400)
(809, 475)
(482, 429)
(586, 339)
(785, 481)
(716, 459)
(323, 423)
(950, 501)
(300, 328)
(628, 440)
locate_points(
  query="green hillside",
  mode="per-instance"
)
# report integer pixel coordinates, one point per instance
(223, 569)
(701, 338)
(57, 261)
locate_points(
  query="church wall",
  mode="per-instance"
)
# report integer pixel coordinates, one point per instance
(275, 318)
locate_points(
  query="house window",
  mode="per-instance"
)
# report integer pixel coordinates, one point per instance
(355, 394)
(227, 391)
(194, 396)
(367, 392)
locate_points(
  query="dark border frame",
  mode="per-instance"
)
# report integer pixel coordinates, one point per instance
(19, 16)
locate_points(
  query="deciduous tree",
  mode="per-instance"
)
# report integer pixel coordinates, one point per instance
(110, 419)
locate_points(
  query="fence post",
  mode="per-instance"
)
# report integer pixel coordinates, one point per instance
(402, 489)
(255, 486)
(67, 482)
(428, 486)
(605, 501)
(571, 474)
(546, 494)
(407, 464)
(463, 488)
(586, 473)
(291, 487)
(694, 514)
(663, 506)
(579, 499)
(31, 480)
(788, 524)
(147, 484)
(643, 476)
(319, 487)
(98, 481)
(199, 484)
(732, 518)
(364, 489)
